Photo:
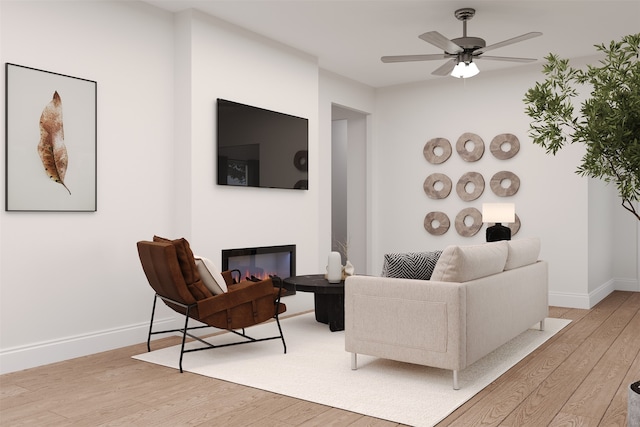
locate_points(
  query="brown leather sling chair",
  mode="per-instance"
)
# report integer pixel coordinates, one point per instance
(172, 273)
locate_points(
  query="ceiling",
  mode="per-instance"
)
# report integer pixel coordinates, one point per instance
(348, 37)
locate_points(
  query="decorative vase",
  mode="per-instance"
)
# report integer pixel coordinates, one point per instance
(347, 270)
(334, 268)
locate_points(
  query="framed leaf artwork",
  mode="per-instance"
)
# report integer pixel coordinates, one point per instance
(51, 141)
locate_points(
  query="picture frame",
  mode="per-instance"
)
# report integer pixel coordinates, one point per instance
(50, 141)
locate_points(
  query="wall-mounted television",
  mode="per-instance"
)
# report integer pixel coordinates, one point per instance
(261, 148)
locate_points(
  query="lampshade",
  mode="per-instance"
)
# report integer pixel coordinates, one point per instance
(464, 70)
(498, 212)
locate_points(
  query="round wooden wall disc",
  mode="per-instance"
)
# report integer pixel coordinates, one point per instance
(442, 225)
(300, 160)
(500, 141)
(437, 145)
(478, 147)
(476, 180)
(515, 226)
(499, 190)
(430, 186)
(468, 230)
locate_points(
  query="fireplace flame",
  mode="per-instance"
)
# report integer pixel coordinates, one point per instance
(248, 275)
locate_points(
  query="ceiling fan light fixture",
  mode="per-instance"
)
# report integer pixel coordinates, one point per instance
(464, 70)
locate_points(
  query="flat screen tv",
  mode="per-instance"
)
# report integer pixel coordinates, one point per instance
(261, 148)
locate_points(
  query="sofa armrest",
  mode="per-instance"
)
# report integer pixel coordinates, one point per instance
(502, 306)
(414, 321)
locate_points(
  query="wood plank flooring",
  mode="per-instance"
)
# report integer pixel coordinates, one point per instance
(580, 377)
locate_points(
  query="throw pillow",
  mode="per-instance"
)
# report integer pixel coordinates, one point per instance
(210, 275)
(410, 265)
(185, 258)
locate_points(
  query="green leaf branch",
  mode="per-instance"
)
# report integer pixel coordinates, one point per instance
(608, 121)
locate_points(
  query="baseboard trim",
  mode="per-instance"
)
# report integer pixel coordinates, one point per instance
(601, 292)
(558, 299)
(590, 300)
(44, 353)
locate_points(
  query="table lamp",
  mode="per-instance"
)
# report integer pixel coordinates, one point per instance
(498, 213)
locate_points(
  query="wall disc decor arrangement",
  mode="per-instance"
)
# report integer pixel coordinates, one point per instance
(478, 147)
(504, 146)
(470, 181)
(497, 187)
(437, 150)
(468, 230)
(436, 223)
(471, 185)
(435, 180)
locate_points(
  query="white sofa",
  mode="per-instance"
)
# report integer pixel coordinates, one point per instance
(478, 298)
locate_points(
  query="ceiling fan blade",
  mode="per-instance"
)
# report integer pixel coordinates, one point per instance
(438, 40)
(509, 41)
(504, 58)
(409, 58)
(445, 69)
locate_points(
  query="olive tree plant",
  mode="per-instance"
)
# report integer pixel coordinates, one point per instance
(608, 122)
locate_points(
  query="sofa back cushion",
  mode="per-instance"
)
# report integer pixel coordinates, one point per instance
(522, 252)
(185, 258)
(465, 263)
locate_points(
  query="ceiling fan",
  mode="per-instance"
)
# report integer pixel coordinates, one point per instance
(462, 50)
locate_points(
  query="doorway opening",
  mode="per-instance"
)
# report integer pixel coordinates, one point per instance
(348, 186)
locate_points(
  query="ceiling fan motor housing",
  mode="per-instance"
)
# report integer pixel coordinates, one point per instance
(469, 43)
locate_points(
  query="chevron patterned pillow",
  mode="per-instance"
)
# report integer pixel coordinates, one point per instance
(410, 265)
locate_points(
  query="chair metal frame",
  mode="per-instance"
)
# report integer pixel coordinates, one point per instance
(208, 345)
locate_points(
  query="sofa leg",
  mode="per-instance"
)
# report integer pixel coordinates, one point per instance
(455, 380)
(542, 325)
(354, 361)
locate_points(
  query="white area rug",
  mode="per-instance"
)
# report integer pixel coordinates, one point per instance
(318, 369)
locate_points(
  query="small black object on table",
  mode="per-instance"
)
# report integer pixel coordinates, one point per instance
(328, 298)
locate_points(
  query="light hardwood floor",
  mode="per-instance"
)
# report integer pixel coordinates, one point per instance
(580, 377)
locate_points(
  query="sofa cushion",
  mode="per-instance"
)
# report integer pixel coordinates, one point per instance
(410, 265)
(185, 258)
(210, 275)
(199, 290)
(522, 252)
(465, 263)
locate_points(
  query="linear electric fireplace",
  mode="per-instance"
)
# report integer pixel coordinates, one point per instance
(276, 262)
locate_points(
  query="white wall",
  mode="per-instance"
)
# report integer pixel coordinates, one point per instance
(626, 247)
(71, 283)
(553, 202)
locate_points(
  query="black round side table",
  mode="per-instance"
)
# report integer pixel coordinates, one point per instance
(328, 298)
